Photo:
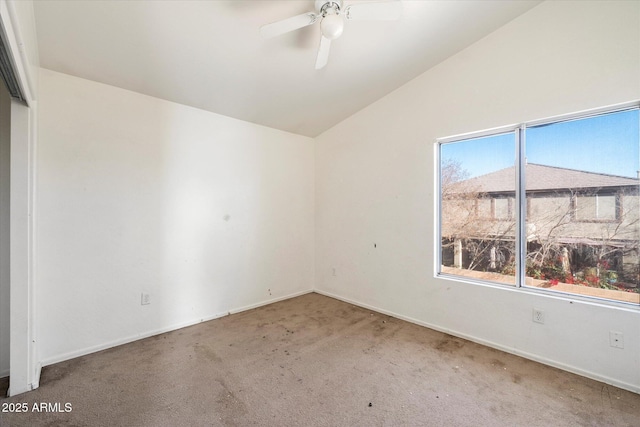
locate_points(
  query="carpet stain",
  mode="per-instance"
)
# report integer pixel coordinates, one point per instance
(605, 396)
(51, 376)
(378, 329)
(449, 344)
(114, 379)
(498, 363)
(206, 352)
(229, 407)
(57, 372)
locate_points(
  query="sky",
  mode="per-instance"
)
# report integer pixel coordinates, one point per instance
(607, 144)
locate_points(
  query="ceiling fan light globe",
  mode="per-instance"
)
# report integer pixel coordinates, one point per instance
(332, 26)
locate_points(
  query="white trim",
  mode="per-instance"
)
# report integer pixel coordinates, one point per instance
(88, 350)
(24, 367)
(36, 380)
(22, 363)
(615, 108)
(511, 350)
(521, 206)
(34, 363)
(437, 179)
(628, 105)
(478, 134)
(630, 307)
(269, 301)
(20, 62)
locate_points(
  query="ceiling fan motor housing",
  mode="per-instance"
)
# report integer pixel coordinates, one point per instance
(320, 4)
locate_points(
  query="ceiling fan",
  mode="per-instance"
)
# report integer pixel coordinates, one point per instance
(331, 14)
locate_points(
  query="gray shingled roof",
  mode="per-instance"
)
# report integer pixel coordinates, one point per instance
(541, 177)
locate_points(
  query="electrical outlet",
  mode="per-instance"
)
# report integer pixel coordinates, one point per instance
(538, 315)
(616, 339)
(145, 299)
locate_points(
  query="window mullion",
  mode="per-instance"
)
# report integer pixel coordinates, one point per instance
(521, 200)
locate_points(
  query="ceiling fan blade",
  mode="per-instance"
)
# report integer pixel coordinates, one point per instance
(323, 53)
(375, 11)
(286, 25)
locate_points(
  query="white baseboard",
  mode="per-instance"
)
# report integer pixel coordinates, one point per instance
(4, 373)
(88, 350)
(270, 301)
(545, 361)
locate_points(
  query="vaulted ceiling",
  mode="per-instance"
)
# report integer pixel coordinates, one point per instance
(209, 54)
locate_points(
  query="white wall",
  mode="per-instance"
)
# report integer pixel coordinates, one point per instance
(375, 184)
(205, 213)
(5, 294)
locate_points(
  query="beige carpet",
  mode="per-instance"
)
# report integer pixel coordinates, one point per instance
(315, 361)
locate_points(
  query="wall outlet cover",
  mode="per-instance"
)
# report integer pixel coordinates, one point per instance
(145, 299)
(616, 339)
(538, 315)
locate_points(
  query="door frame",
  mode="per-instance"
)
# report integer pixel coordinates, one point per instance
(24, 367)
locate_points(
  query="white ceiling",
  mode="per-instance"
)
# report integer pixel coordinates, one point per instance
(209, 54)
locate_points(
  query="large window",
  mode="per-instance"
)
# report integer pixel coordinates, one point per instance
(549, 205)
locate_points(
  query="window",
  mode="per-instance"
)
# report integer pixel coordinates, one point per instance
(596, 207)
(502, 208)
(550, 205)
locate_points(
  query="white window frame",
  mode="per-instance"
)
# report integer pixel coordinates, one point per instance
(520, 204)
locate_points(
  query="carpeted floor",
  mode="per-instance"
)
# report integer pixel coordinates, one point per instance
(315, 361)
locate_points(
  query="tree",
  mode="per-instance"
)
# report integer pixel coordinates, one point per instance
(467, 220)
(567, 221)
(583, 232)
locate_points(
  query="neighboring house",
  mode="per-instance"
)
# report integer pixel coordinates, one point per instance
(576, 221)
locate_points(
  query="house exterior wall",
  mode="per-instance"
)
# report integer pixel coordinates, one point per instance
(550, 215)
(549, 210)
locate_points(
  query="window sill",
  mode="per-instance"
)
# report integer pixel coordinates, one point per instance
(564, 288)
